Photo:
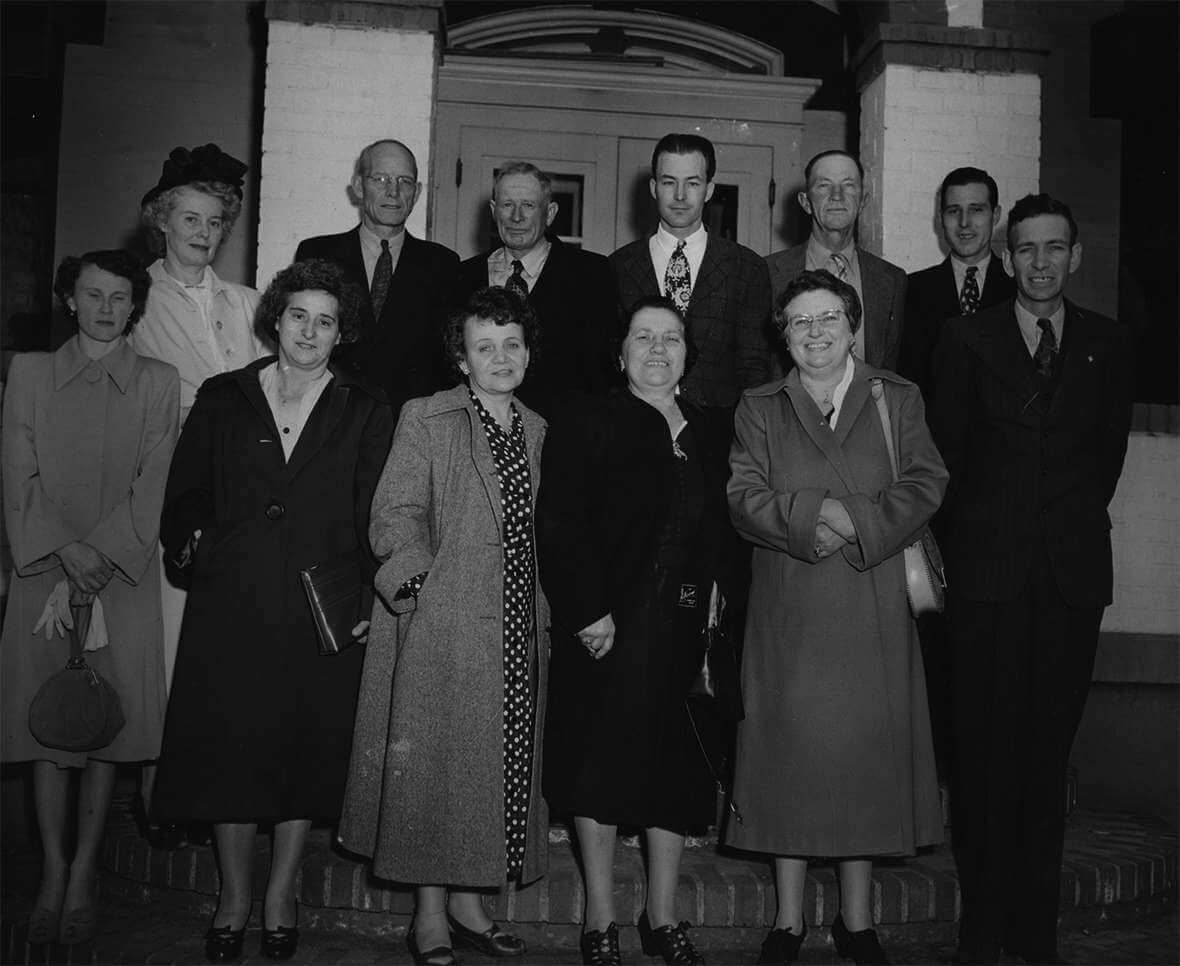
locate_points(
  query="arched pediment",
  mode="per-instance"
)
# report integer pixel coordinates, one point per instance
(640, 36)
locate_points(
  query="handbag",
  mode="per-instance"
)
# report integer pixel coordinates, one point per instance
(925, 577)
(718, 676)
(76, 709)
(333, 591)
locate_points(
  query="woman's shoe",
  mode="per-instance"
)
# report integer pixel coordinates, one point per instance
(280, 942)
(493, 941)
(600, 947)
(861, 946)
(44, 925)
(782, 946)
(223, 944)
(671, 942)
(79, 925)
(438, 956)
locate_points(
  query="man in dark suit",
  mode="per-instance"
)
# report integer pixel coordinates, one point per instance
(1031, 410)
(411, 283)
(571, 291)
(967, 280)
(833, 198)
(721, 287)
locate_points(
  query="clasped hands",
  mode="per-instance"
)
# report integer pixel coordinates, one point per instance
(833, 529)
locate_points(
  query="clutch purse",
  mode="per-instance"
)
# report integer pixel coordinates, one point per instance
(718, 677)
(925, 578)
(334, 593)
(76, 709)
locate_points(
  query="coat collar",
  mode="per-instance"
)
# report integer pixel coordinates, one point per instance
(70, 360)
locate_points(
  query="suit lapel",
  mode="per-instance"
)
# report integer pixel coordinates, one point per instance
(320, 427)
(405, 276)
(485, 465)
(995, 288)
(712, 274)
(1079, 341)
(998, 342)
(877, 297)
(641, 271)
(808, 416)
(948, 292)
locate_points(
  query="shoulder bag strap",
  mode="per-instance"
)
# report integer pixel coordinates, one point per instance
(878, 391)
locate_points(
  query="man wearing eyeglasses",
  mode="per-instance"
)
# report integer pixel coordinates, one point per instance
(833, 197)
(411, 284)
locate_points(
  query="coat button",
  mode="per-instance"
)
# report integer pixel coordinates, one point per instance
(93, 374)
(275, 510)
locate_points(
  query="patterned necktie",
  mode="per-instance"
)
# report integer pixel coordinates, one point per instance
(840, 264)
(515, 282)
(677, 280)
(1046, 355)
(969, 299)
(382, 276)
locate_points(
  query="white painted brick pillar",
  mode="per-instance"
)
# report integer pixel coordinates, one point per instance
(936, 98)
(339, 75)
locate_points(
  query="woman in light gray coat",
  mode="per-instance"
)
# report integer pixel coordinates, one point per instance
(444, 784)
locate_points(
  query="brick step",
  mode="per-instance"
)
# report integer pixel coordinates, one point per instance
(1108, 859)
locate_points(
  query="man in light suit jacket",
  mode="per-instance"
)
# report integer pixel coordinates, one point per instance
(571, 290)
(411, 283)
(1031, 410)
(722, 287)
(833, 198)
(967, 280)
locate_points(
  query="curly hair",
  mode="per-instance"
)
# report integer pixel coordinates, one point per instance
(157, 211)
(312, 275)
(656, 302)
(820, 280)
(117, 261)
(492, 304)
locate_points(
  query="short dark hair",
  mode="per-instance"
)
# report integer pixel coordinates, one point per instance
(831, 153)
(1030, 206)
(818, 280)
(158, 209)
(686, 144)
(965, 176)
(657, 302)
(312, 275)
(117, 261)
(494, 304)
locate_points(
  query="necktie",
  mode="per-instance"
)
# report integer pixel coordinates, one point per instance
(969, 299)
(1046, 355)
(515, 282)
(840, 264)
(382, 276)
(677, 280)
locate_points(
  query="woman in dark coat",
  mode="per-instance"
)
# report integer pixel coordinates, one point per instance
(274, 473)
(834, 756)
(444, 789)
(632, 528)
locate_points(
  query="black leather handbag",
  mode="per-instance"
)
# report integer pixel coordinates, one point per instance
(76, 709)
(334, 593)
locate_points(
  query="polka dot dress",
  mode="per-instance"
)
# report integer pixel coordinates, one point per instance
(520, 573)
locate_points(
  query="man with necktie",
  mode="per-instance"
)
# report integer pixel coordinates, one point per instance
(722, 287)
(967, 280)
(410, 283)
(571, 290)
(833, 197)
(1030, 410)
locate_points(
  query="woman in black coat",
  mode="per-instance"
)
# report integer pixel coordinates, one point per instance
(274, 473)
(632, 530)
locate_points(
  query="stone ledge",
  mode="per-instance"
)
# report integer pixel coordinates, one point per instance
(422, 15)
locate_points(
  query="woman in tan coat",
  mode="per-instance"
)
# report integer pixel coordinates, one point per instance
(88, 434)
(444, 787)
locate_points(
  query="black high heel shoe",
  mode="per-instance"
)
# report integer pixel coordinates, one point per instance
(224, 944)
(600, 947)
(861, 946)
(280, 942)
(670, 942)
(438, 956)
(782, 946)
(493, 941)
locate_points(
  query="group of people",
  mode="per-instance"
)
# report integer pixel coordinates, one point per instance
(591, 455)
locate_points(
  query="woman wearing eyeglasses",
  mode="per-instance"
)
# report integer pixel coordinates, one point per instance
(834, 757)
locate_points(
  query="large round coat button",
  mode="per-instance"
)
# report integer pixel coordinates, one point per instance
(275, 510)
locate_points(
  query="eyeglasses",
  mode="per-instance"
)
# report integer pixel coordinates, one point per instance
(403, 183)
(828, 320)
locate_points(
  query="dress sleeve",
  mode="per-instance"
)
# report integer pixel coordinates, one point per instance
(765, 515)
(400, 527)
(890, 520)
(36, 529)
(129, 533)
(754, 356)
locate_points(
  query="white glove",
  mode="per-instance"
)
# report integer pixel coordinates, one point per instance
(56, 615)
(96, 636)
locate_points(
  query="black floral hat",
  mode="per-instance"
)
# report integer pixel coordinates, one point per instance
(206, 163)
